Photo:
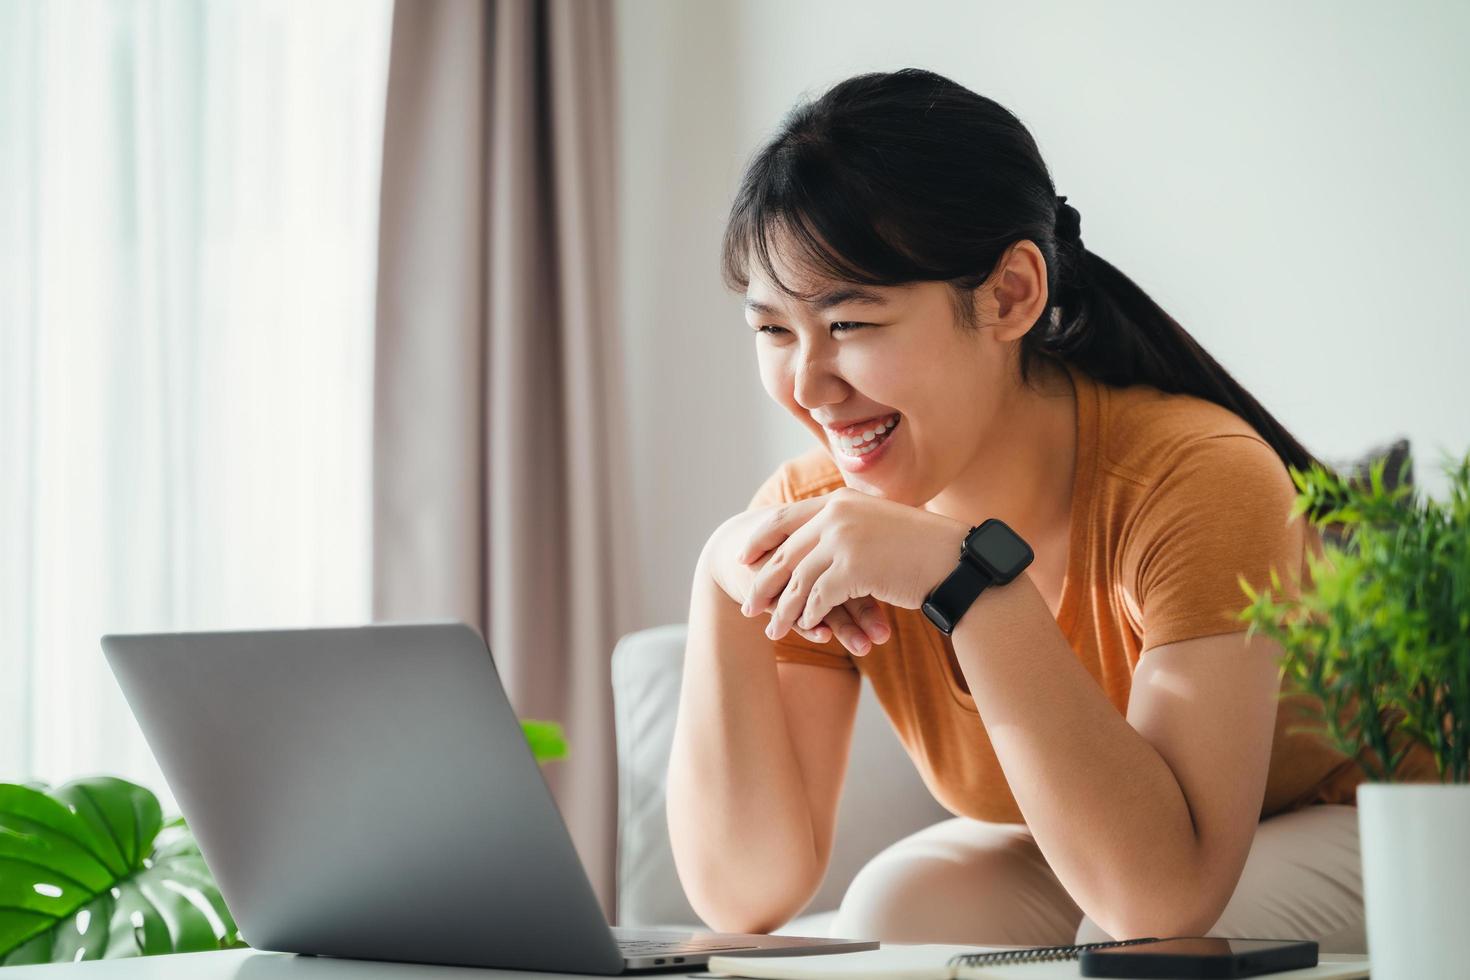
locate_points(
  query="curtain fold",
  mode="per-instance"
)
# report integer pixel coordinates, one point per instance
(499, 495)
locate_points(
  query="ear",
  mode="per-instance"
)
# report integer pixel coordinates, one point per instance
(1020, 290)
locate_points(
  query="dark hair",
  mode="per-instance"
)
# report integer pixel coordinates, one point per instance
(892, 178)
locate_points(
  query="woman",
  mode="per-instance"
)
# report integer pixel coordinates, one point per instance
(1101, 726)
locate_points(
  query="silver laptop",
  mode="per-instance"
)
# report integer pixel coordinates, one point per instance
(366, 792)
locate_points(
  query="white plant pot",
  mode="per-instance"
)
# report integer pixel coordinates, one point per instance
(1415, 842)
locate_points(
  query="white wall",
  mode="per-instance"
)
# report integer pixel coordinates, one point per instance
(1288, 180)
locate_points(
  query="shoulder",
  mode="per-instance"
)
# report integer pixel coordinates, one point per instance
(811, 474)
(1173, 470)
(1144, 434)
(1194, 501)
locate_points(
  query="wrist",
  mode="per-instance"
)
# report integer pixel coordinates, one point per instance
(706, 575)
(951, 537)
(991, 555)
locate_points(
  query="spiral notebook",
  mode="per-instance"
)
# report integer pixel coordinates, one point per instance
(938, 962)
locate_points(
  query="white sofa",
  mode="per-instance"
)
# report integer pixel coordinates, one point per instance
(883, 798)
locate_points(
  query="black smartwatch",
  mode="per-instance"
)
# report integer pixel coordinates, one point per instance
(992, 554)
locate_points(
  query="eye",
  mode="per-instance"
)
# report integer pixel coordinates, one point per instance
(842, 326)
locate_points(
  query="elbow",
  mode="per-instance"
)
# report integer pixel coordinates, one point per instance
(727, 903)
(747, 922)
(739, 888)
(1185, 906)
(1160, 923)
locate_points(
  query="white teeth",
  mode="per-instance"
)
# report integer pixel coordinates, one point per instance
(866, 441)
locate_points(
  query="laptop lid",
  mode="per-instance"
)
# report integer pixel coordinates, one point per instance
(365, 792)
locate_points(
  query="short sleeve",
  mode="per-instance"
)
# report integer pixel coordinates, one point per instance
(793, 647)
(774, 490)
(1222, 511)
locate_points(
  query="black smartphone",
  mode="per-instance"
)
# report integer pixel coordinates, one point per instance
(1200, 956)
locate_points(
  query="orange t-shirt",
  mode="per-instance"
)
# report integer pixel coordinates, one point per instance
(1173, 496)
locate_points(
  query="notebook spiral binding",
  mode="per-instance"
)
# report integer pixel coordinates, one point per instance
(1035, 955)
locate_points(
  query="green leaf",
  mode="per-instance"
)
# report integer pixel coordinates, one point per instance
(1380, 639)
(547, 740)
(86, 874)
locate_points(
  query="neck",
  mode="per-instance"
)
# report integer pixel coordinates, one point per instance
(1022, 473)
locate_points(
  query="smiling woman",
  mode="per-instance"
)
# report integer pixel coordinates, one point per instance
(1110, 741)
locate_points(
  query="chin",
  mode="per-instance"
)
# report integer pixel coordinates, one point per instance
(888, 489)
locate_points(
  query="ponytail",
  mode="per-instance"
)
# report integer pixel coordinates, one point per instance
(1111, 330)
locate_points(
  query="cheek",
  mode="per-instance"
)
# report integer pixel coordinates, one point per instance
(943, 398)
(778, 380)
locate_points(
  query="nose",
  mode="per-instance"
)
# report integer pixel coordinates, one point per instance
(815, 383)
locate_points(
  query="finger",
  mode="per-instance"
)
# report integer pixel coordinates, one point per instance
(827, 591)
(793, 598)
(777, 527)
(868, 614)
(821, 633)
(776, 572)
(848, 633)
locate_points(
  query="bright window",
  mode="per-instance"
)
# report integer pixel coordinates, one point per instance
(188, 220)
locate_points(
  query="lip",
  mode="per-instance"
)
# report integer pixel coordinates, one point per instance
(854, 427)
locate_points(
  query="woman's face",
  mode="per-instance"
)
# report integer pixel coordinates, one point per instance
(884, 376)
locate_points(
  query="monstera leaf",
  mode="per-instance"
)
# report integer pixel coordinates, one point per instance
(90, 871)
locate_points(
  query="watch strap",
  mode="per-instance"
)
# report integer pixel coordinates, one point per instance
(952, 597)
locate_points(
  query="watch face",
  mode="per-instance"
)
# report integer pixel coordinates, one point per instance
(999, 549)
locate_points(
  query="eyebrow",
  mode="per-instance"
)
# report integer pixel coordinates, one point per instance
(825, 301)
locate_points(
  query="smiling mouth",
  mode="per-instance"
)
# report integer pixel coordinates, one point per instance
(859, 444)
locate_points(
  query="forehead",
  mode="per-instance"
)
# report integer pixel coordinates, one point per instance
(798, 283)
(814, 293)
(824, 297)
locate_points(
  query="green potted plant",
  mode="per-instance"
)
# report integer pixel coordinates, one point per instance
(1380, 638)
(91, 870)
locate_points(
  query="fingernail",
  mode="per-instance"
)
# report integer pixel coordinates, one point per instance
(863, 646)
(880, 633)
(771, 631)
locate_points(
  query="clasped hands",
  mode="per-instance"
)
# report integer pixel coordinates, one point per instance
(820, 566)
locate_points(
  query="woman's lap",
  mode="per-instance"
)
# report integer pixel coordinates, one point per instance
(959, 881)
(965, 881)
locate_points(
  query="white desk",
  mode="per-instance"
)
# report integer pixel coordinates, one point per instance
(251, 964)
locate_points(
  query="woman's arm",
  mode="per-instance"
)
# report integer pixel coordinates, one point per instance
(759, 755)
(1146, 820)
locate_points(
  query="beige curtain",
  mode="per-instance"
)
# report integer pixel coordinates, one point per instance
(498, 493)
